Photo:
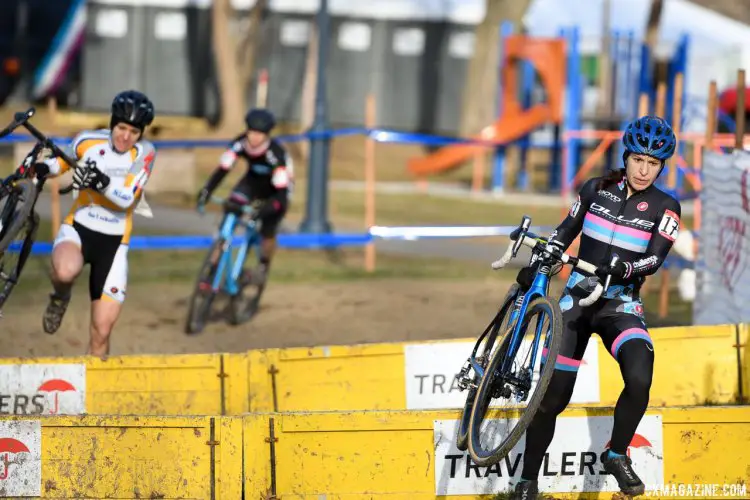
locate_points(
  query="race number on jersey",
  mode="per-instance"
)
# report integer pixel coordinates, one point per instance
(669, 227)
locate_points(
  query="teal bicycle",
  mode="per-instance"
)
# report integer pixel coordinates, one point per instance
(222, 270)
(507, 363)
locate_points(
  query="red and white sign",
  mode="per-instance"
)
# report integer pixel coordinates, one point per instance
(43, 389)
(431, 370)
(572, 462)
(20, 458)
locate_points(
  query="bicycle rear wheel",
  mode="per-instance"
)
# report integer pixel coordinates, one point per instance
(10, 272)
(17, 203)
(204, 294)
(484, 352)
(495, 385)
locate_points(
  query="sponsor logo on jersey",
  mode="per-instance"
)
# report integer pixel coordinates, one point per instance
(609, 196)
(646, 224)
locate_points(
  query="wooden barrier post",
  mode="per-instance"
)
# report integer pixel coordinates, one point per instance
(261, 97)
(672, 184)
(739, 134)
(643, 104)
(659, 105)
(370, 123)
(661, 99)
(707, 146)
(477, 175)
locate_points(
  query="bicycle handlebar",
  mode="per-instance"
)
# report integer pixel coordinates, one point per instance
(521, 236)
(21, 119)
(246, 209)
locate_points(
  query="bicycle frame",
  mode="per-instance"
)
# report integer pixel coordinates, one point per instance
(539, 288)
(226, 233)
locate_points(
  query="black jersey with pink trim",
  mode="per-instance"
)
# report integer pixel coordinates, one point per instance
(640, 229)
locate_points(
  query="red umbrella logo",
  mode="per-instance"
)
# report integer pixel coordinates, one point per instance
(638, 441)
(8, 446)
(57, 386)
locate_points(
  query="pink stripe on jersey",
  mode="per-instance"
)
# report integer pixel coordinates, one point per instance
(637, 233)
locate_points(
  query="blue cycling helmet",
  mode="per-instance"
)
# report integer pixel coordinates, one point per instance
(650, 135)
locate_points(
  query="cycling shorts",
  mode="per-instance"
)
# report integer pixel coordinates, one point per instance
(269, 225)
(107, 256)
(615, 320)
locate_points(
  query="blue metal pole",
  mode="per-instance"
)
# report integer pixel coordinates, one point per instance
(555, 174)
(316, 216)
(614, 56)
(527, 76)
(646, 83)
(498, 172)
(573, 108)
(631, 99)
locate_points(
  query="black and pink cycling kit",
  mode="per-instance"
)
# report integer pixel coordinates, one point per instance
(640, 230)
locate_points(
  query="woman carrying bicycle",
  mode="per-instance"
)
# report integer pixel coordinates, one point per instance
(621, 214)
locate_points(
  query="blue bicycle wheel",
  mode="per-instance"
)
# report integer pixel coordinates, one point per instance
(482, 354)
(516, 382)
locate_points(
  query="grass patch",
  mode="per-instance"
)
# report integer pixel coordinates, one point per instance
(290, 266)
(346, 209)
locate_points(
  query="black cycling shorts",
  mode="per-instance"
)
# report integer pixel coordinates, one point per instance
(107, 256)
(269, 225)
(616, 320)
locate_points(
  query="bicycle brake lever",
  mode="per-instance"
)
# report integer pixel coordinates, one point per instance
(525, 225)
(612, 263)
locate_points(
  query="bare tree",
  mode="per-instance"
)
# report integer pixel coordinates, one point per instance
(235, 59)
(482, 78)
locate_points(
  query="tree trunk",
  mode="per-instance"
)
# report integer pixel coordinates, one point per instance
(483, 73)
(252, 42)
(231, 92)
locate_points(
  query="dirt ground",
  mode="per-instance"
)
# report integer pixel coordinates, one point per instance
(291, 315)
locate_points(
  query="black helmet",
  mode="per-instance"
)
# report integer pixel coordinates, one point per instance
(133, 108)
(260, 120)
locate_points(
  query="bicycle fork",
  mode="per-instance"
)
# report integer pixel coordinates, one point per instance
(225, 233)
(462, 377)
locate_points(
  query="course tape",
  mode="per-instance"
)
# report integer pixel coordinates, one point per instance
(305, 241)
(377, 134)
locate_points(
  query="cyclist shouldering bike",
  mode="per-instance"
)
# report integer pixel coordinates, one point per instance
(621, 214)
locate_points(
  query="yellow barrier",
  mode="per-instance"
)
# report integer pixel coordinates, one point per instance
(693, 366)
(410, 455)
(121, 457)
(195, 384)
(351, 455)
(697, 365)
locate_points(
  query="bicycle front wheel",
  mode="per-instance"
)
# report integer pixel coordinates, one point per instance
(484, 352)
(491, 440)
(203, 294)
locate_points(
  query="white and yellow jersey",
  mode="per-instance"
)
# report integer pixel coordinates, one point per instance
(109, 212)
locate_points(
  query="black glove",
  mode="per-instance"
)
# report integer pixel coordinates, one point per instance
(203, 197)
(619, 270)
(89, 176)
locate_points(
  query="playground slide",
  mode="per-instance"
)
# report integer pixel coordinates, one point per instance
(507, 128)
